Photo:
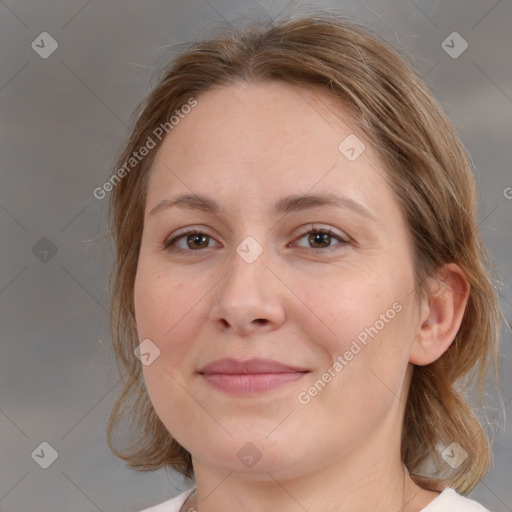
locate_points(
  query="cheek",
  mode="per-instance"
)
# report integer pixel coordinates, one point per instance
(351, 307)
(172, 403)
(171, 309)
(161, 302)
(165, 314)
(364, 325)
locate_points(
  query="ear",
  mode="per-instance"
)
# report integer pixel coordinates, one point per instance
(441, 314)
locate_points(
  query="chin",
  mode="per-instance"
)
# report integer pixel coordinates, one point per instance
(255, 456)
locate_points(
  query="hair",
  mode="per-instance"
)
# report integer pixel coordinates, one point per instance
(430, 173)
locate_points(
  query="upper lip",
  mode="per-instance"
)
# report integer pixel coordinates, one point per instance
(256, 365)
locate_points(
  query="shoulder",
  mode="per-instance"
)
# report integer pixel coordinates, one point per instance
(172, 505)
(451, 501)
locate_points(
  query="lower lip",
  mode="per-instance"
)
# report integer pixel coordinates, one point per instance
(250, 383)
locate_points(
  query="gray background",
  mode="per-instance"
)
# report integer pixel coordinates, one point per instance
(63, 120)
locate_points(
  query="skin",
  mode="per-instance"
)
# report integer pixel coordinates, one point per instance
(247, 146)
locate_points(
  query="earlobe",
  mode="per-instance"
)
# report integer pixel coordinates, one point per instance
(441, 314)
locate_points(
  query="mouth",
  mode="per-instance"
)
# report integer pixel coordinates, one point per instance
(249, 377)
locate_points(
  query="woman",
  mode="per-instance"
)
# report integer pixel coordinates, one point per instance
(300, 287)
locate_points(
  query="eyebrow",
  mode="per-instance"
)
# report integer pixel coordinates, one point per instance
(285, 205)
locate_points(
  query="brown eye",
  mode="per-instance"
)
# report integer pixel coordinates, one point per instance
(193, 240)
(322, 238)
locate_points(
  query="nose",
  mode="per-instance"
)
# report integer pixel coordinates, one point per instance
(249, 298)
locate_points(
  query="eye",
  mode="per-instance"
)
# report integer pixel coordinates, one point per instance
(321, 238)
(193, 239)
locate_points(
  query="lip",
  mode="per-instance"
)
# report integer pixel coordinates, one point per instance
(255, 365)
(251, 376)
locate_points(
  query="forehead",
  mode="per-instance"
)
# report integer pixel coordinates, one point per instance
(235, 120)
(261, 139)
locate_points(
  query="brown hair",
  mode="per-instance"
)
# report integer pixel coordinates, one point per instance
(429, 171)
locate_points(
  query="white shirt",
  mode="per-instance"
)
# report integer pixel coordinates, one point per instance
(448, 501)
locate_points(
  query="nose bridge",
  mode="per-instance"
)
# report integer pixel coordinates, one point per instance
(247, 297)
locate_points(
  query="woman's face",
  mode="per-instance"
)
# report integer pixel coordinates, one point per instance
(337, 311)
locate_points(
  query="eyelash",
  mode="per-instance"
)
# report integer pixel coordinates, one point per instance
(168, 243)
